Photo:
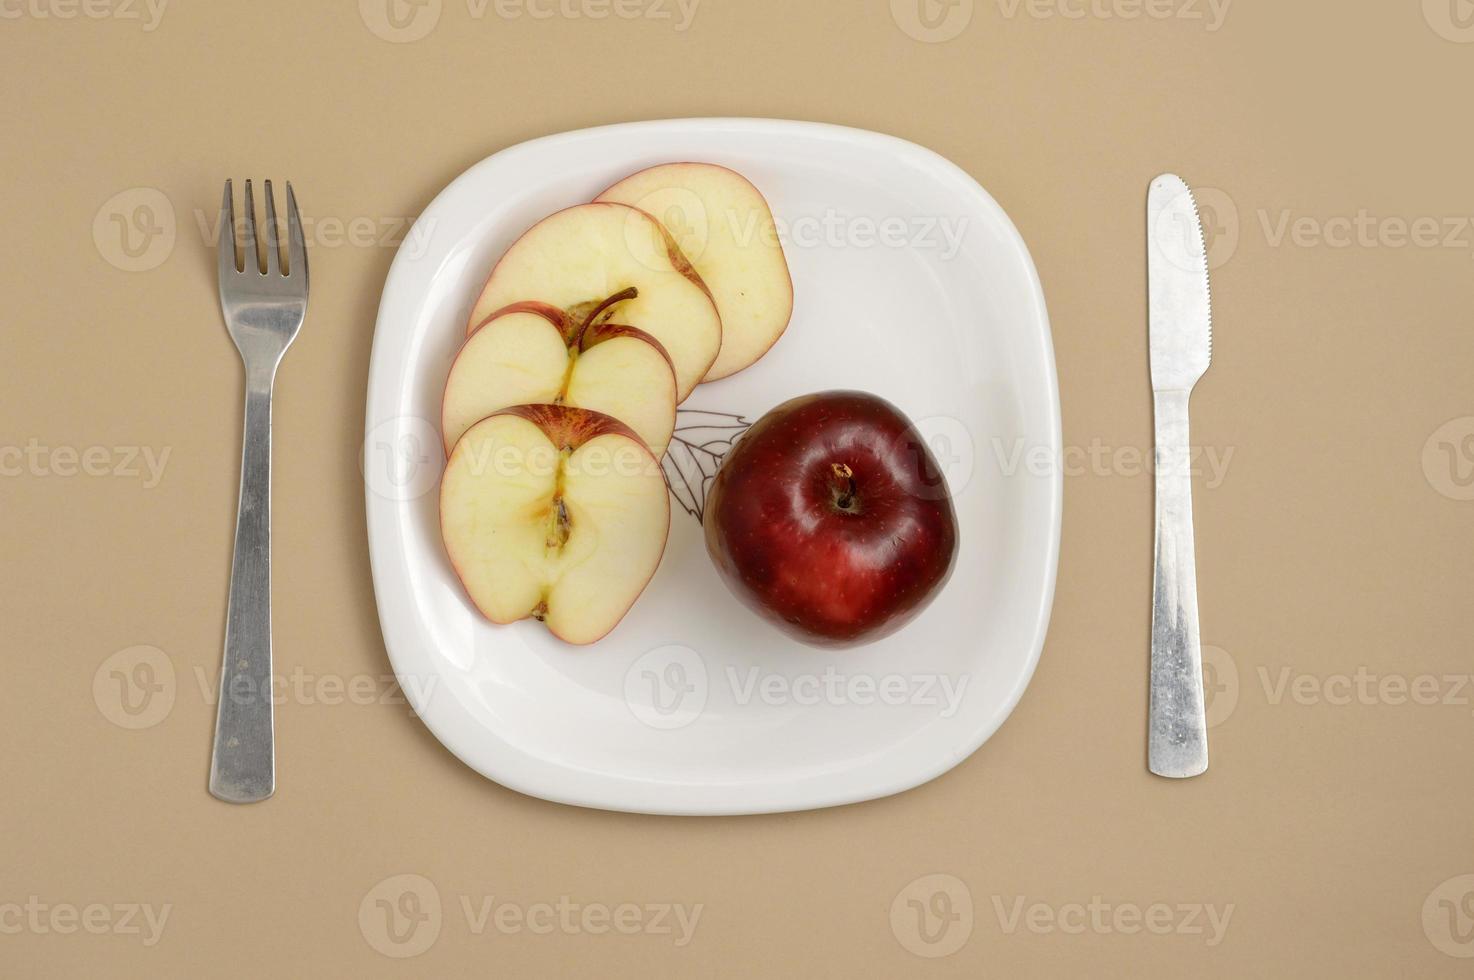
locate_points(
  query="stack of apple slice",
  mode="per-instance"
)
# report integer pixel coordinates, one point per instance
(589, 332)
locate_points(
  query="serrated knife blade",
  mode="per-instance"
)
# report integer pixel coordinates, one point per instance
(1181, 344)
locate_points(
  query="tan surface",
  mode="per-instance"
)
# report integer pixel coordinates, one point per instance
(1325, 549)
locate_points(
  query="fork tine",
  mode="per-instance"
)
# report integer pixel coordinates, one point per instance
(252, 257)
(273, 235)
(226, 243)
(297, 246)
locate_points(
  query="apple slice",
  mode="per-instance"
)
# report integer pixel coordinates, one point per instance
(531, 353)
(554, 512)
(722, 224)
(575, 259)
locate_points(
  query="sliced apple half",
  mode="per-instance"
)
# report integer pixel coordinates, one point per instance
(575, 259)
(723, 226)
(533, 353)
(554, 512)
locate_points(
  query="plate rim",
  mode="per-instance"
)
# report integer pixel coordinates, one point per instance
(384, 537)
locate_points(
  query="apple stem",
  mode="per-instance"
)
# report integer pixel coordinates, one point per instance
(846, 498)
(618, 297)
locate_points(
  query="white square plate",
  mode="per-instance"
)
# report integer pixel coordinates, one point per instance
(910, 282)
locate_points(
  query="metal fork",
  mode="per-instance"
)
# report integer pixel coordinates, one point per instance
(263, 310)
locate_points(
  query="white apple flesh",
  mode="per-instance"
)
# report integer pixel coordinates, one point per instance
(556, 513)
(575, 259)
(723, 226)
(530, 353)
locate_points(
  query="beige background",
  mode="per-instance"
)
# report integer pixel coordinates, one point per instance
(1336, 543)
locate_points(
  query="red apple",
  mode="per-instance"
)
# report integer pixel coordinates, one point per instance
(831, 519)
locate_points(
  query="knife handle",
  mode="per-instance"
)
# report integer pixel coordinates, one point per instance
(1177, 738)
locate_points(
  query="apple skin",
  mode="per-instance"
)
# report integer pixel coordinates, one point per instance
(559, 319)
(568, 427)
(574, 333)
(831, 565)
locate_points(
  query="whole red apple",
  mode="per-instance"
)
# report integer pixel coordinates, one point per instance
(830, 517)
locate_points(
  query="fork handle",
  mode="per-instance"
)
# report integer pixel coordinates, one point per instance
(243, 765)
(1177, 741)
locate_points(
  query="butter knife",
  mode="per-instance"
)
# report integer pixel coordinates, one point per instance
(1181, 341)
